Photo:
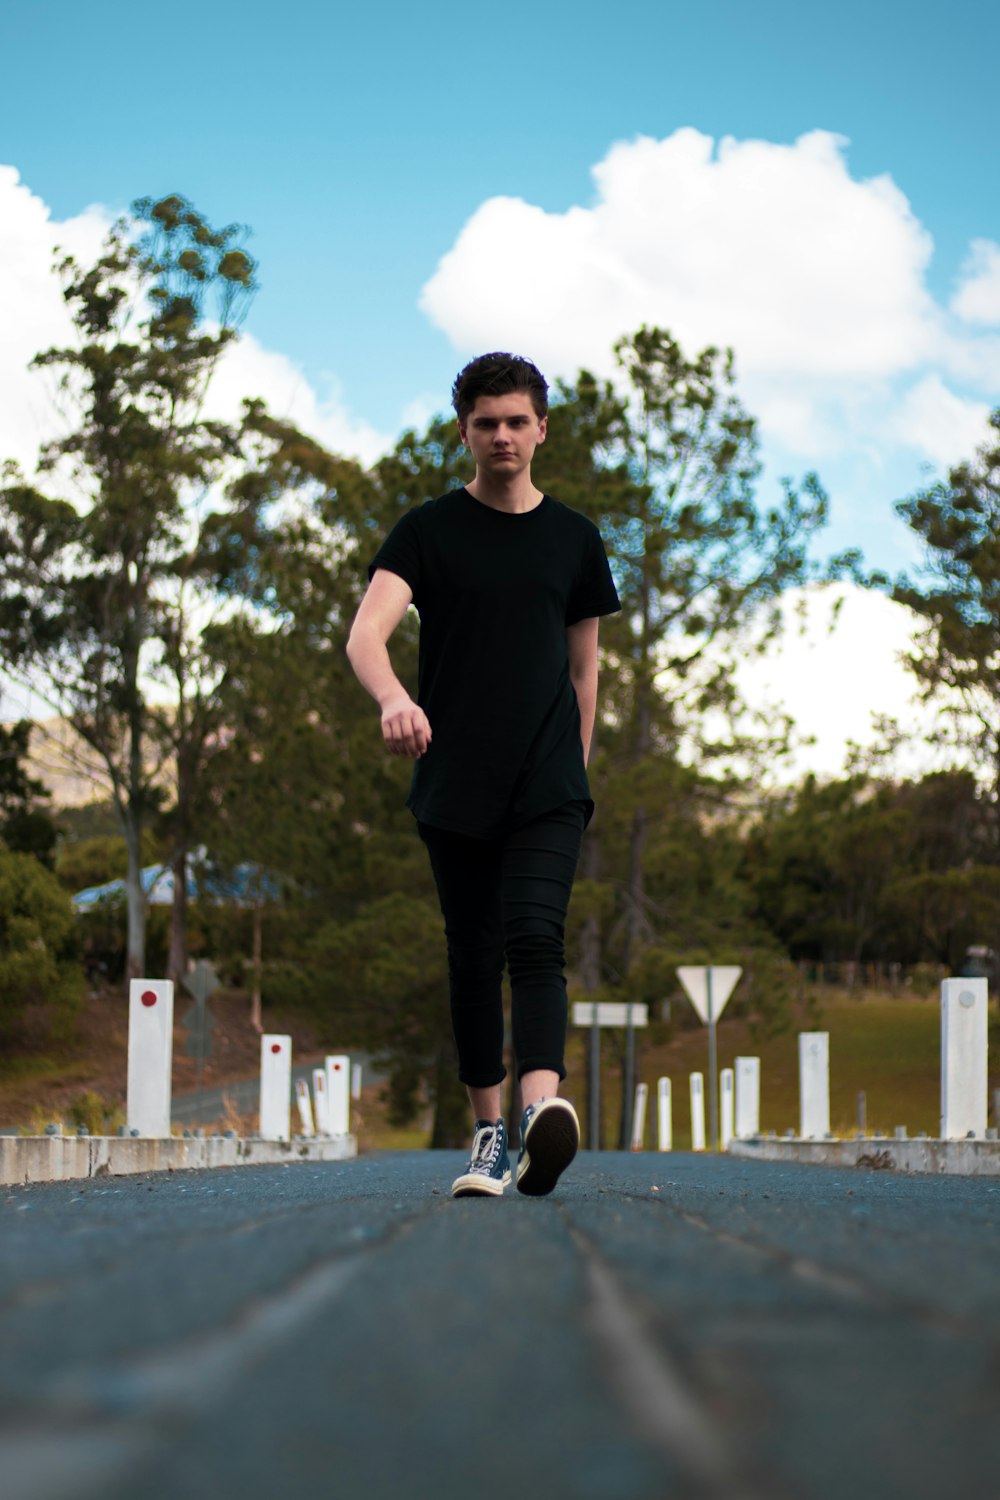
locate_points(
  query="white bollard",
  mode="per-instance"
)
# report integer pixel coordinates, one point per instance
(321, 1102)
(275, 1087)
(964, 1007)
(814, 1085)
(664, 1115)
(639, 1118)
(338, 1093)
(305, 1106)
(697, 1112)
(747, 1097)
(726, 1108)
(150, 1056)
(355, 1081)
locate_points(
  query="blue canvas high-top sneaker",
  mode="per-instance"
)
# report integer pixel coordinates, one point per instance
(488, 1172)
(550, 1136)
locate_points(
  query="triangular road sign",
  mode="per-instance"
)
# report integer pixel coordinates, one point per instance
(695, 982)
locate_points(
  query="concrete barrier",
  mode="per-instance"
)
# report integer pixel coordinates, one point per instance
(33, 1158)
(959, 1158)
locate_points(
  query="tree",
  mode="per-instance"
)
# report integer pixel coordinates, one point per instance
(698, 564)
(118, 598)
(38, 962)
(25, 823)
(956, 595)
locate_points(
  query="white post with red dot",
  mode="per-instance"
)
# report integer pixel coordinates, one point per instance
(747, 1097)
(664, 1115)
(338, 1093)
(150, 1056)
(275, 1087)
(321, 1104)
(964, 1078)
(305, 1106)
(697, 1112)
(727, 1108)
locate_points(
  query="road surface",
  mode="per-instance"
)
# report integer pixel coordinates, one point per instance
(665, 1326)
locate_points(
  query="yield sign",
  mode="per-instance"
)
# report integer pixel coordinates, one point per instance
(696, 983)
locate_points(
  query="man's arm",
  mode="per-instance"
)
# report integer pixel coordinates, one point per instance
(404, 724)
(581, 640)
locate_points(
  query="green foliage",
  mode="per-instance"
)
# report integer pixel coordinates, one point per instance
(956, 593)
(38, 963)
(26, 825)
(90, 862)
(860, 869)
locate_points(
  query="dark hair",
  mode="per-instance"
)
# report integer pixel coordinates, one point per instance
(498, 375)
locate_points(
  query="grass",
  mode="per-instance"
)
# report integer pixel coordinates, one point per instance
(888, 1047)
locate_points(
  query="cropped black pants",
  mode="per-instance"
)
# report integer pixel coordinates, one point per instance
(505, 899)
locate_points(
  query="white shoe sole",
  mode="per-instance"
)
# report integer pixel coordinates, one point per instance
(551, 1142)
(476, 1185)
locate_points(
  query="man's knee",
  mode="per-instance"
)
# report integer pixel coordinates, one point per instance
(475, 961)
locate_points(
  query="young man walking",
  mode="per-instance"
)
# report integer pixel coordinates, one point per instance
(509, 585)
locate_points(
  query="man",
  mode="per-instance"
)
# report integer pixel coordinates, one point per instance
(509, 586)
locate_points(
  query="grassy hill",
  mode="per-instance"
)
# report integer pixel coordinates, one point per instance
(889, 1047)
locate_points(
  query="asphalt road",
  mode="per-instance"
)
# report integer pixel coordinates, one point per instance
(681, 1326)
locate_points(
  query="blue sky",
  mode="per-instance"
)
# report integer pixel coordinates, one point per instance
(359, 142)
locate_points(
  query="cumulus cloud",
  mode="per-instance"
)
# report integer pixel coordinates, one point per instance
(939, 424)
(817, 279)
(838, 668)
(33, 317)
(977, 299)
(248, 369)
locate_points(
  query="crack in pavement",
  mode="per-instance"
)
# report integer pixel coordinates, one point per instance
(650, 1386)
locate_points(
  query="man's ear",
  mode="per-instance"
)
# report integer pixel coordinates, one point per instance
(461, 432)
(543, 427)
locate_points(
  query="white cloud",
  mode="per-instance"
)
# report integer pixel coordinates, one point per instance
(33, 317)
(248, 369)
(944, 427)
(977, 299)
(836, 668)
(815, 278)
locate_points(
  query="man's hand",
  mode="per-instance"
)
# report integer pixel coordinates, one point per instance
(405, 728)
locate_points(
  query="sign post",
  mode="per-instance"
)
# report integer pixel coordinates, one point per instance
(708, 990)
(595, 1015)
(595, 1079)
(201, 982)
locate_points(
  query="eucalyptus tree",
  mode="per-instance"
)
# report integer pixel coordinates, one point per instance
(137, 534)
(955, 593)
(700, 566)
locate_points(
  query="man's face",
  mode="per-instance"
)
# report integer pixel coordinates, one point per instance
(502, 433)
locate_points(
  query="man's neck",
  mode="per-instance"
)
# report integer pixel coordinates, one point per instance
(516, 495)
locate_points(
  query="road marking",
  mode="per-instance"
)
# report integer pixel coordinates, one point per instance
(842, 1283)
(652, 1390)
(130, 1397)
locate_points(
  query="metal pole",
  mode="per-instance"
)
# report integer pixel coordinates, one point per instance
(200, 1053)
(713, 1082)
(629, 1078)
(595, 1081)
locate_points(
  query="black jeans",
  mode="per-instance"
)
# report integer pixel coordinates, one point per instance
(506, 898)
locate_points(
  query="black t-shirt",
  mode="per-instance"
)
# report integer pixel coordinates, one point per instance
(495, 592)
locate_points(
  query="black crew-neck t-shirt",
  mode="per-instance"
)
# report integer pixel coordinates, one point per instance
(495, 592)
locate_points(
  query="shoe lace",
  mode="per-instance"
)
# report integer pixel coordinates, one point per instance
(486, 1146)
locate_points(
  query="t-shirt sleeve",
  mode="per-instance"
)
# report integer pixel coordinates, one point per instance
(593, 591)
(400, 553)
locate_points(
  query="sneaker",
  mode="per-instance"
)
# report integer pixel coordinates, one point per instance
(488, 1172)
(550, 1135)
